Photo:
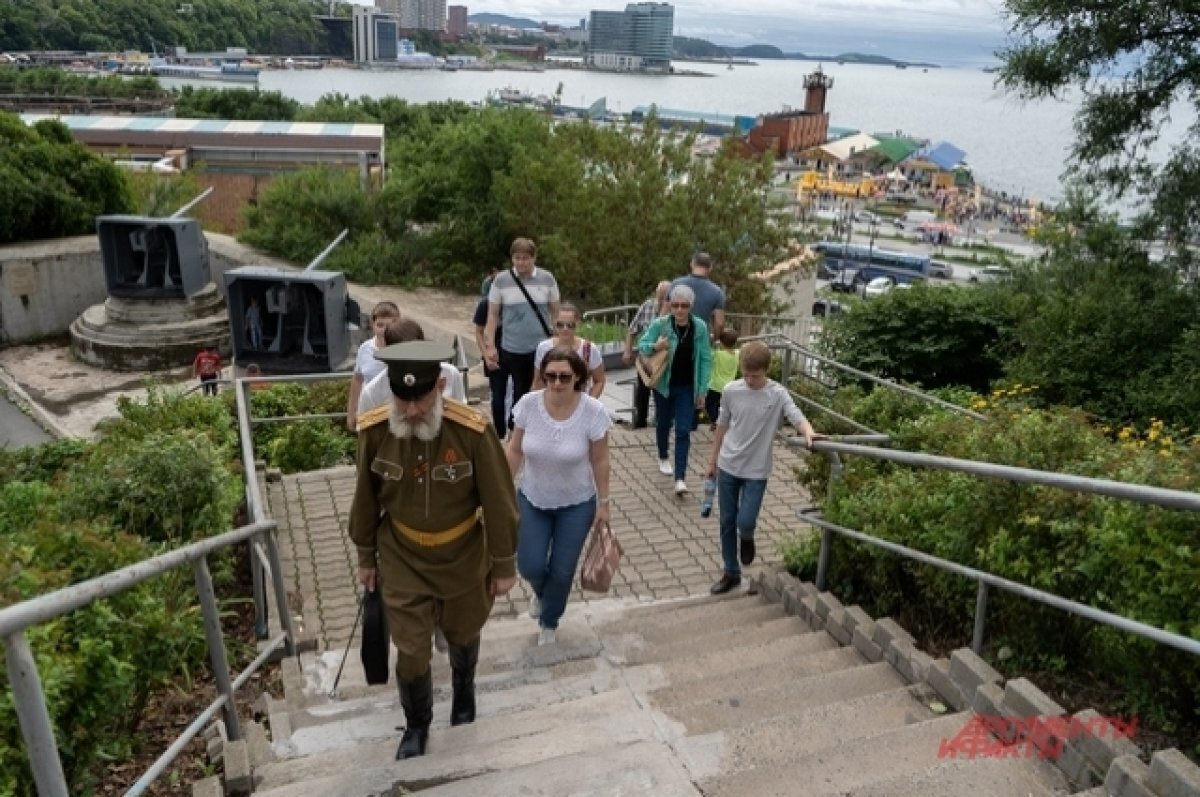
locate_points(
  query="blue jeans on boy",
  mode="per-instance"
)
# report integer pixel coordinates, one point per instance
(679, 409)
(551, 541)
(740, 501)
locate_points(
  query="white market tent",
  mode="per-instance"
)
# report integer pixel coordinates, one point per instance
(842, 149)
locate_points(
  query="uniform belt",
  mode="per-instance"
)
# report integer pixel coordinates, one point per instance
(431, 539)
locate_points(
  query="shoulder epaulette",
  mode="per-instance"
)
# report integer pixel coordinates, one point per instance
(374, 416)
(463, 415)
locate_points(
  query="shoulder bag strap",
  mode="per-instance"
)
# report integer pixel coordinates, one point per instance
(528, 298)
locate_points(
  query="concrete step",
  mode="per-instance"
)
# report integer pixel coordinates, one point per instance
(858, 764)
(492, 743)
(699, 625)
(761, 655)
(980, 777)
(644, 768)
(779, 740)
(747, 704)
(319, 729)
(639, 620)
(634, 650)
(790, 670)
(509, 647)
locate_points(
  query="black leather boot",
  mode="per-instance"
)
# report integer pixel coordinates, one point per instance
(462, 662)
(416, 697)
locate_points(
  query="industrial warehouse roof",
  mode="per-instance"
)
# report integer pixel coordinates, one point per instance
(151, 124)
(674, 114)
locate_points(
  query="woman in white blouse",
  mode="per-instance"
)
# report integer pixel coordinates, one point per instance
(565, 324)
(561, 436)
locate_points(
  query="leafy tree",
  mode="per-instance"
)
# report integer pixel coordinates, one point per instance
(53, 185)
(262, 26)
(1104, 328)
(203, 103)
(931, 336)
(1132, 63)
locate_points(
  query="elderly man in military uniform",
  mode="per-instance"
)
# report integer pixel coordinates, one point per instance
(434, 520)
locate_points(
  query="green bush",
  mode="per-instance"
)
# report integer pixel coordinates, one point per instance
(1135, 560)
(110, 654)
(163, 486)
(309, 445)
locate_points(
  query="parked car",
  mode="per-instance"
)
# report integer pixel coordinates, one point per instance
(824, 271)
(898, 224)
(941, 270)
(878, 287)
(822, 308)
(990, 274)
(866, 217)
(847, 281)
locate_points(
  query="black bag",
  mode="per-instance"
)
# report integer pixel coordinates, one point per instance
(375, 641)
(534, 307)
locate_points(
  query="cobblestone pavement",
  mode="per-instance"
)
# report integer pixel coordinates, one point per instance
(670, 551)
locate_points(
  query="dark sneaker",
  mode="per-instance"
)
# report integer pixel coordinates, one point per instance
(726, 583)
(746, 550)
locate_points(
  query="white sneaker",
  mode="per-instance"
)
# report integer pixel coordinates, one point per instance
(680, 487)
(535, 607)
(664, 467)
(546, 637)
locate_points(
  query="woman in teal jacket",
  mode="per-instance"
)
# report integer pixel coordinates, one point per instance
(682, 387)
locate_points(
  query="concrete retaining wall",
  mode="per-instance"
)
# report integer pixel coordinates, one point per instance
(45, 285)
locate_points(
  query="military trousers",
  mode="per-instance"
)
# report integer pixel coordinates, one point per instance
(411, 618)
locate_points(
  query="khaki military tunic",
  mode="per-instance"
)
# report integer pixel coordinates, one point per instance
(438, 519)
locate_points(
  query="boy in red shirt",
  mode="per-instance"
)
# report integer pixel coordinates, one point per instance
(207, 366)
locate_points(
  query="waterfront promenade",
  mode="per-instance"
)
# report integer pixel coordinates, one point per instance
(670, 551)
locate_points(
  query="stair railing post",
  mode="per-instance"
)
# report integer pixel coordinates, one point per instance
(281, 599)
(34, 718)
(981, 599)
(216, 645)
(835, 475)
(259, 591)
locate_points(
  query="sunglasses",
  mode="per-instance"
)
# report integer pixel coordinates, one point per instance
(679, 305)
(564, 324)
(559, 376)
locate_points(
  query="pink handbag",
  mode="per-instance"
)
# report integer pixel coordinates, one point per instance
(601, 560)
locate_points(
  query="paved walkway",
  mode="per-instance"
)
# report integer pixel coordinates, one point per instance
(670, 551)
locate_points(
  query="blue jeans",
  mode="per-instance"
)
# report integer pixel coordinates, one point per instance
(679, 409)
(740, 501)
(550, 542)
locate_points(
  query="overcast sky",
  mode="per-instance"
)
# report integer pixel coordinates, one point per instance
(935, 30)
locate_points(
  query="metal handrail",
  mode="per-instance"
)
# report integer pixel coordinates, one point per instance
(29, 699)
(1157, 496)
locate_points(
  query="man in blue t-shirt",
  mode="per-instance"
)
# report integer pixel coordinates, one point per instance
(709, 306)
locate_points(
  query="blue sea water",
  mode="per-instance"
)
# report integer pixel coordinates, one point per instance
(1014, 146)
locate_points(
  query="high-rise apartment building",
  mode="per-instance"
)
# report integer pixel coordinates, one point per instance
(431, 15)
(640, 38)
(456, 21)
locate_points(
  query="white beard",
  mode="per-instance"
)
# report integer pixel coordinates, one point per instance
(424, 430)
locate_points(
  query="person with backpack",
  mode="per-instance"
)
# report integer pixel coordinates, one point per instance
(566, 322)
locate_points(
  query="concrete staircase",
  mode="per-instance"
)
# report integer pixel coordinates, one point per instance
(781, 692)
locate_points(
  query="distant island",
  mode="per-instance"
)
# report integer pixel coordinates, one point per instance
(703, 49)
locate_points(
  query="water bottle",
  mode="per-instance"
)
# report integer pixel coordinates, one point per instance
(710, 489)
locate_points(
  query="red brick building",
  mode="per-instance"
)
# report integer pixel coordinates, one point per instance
(792, 131)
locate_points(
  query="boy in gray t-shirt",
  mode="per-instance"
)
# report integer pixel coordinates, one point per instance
(751, 409)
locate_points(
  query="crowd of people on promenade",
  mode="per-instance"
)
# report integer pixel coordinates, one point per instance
(452, 504)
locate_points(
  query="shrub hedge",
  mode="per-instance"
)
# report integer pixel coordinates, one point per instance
(1136, 560)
